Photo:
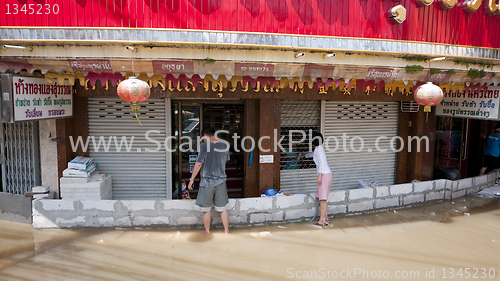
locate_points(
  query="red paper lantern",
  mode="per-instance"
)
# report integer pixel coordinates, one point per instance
(134, 91)
(428, 95)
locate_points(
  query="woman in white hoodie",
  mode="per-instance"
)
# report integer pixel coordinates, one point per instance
(324, 179)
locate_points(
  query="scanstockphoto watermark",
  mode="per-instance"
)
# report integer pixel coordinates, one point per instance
(294, 141)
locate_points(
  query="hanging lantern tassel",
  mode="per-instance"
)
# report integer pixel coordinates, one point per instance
(427, 109)
(135, 107)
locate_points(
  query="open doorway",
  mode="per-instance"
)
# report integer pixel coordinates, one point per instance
(192, 119)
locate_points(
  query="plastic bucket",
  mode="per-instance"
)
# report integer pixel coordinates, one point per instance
(270, 192)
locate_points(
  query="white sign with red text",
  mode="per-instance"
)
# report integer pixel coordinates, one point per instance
(33, 99)
(475, 104)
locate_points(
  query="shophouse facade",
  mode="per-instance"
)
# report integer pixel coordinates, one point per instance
(259, 69)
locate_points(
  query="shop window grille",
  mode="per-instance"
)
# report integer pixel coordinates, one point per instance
(20, 157)
(359, 111)
(298, 119)
(409, 106)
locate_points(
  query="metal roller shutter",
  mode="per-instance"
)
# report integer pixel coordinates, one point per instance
(368, 120)
(136, 174)
(298, 115)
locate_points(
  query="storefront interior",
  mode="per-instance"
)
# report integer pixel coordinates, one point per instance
(195, 116)
(459, 146)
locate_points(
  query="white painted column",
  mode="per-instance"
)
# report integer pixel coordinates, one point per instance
(48, 154)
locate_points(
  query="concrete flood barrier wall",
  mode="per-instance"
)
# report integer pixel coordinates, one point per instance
(15, 207)
(49, 213)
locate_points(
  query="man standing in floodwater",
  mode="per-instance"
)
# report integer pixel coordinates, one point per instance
(212, 157)
(491, 152)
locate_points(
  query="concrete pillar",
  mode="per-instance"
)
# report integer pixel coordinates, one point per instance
(48, 154)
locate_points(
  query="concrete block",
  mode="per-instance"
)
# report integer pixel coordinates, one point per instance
(185, 204)
(71, 222)
(336, 196)
(40, 189)
(256, 203)
(58, 205)
(43, 222)
(147, 221)
(67, 181)
(102, 195)
(238, 219)
(123, 222)
(139, 205)
(492, 177)
(465, 183)
(50, 195)
(401, 189)
(473, 190)
(99, 205)
(16, 204)
(420, 187)
(105, 182)
(442, 184)
(337, 209)
(447, 194)
(98, 177)
(216, 220)
(454, 186)
(360, 206)
(91, 189)
(458, 194)
(438, 195)
(232, 204)
(412, 199)
(300, 213)
(87, 196)
(283, 202)
(386, 203)
(360, 193)
(266, 217)
(107, 196)
(191, 220)
(381, 191)
(481, 180)
(106, 221)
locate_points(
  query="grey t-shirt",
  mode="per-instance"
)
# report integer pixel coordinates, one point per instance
(214, 157)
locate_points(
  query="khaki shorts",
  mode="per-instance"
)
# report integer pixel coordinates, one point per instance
(212, 196)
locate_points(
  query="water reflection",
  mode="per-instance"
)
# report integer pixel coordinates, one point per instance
(432, 237)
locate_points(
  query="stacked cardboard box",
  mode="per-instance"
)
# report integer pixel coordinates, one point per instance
(82, 181)
(81, 167)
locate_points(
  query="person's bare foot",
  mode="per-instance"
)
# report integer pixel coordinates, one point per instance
(322, 223)
(226, 231)
(207, 231)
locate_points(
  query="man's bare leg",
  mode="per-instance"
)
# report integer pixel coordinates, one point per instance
(225, 220)
(481, 172)
(207, 216)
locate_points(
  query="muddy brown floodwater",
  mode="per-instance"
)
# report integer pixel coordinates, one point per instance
(457, 240)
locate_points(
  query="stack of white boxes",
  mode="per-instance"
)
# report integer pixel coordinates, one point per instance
(42, 192)
(86, 183)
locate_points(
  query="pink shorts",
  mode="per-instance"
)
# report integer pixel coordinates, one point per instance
(324, 187)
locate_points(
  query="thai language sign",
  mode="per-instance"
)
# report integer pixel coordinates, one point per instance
(33, 99)
(470, 103)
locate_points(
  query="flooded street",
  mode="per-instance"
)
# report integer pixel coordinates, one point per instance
(457, 240)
